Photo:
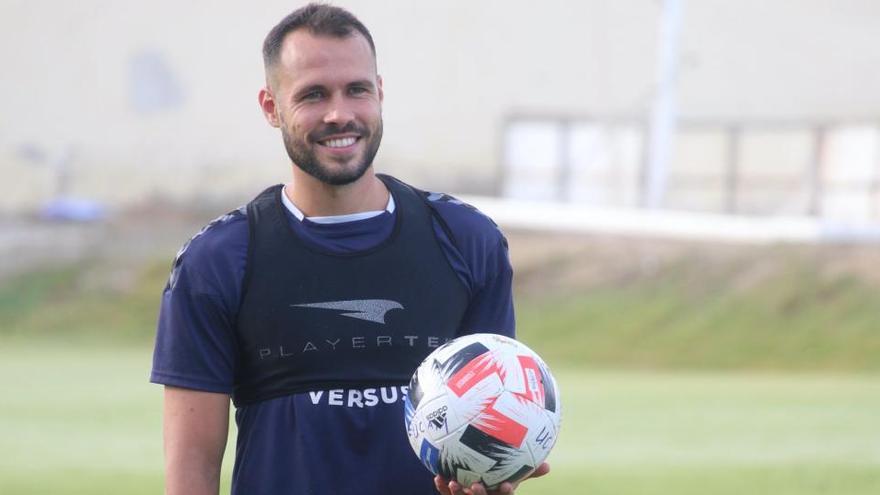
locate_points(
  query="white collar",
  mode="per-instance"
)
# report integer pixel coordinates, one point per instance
(351, 217)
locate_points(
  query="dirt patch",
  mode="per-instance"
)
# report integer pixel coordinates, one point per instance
(558, 262)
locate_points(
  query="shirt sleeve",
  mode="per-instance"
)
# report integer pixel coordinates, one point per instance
(478, 254)
(491, 306)
(194, 346)
(195, 337)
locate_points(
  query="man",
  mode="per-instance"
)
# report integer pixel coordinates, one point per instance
(312, 305)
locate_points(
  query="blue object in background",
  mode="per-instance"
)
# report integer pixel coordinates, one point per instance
(73, 210)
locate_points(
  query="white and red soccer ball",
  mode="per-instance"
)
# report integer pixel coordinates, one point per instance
(482, 408)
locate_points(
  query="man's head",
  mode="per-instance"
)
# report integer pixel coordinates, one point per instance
(318, 19)
(323, 92)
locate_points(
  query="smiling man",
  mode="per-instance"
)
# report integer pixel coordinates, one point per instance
(311, 306)
(326, 97)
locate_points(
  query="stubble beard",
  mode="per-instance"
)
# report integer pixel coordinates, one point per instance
(302, 154)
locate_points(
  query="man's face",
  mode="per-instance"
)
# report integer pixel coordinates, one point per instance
(328, 101)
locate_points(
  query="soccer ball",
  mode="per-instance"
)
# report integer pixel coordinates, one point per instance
(482, 408)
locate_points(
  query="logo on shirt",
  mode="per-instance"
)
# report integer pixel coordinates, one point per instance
(369, 397)
(363, 309)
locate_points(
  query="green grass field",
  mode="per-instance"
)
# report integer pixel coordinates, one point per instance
(84, 420)
(751, 374)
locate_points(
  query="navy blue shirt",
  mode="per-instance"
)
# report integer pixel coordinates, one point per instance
(325, 441)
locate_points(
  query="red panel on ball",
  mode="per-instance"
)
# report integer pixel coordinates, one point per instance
(500, 426)
(532, 379)
(474, 372)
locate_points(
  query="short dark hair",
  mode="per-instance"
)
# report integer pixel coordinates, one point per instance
(319, 19)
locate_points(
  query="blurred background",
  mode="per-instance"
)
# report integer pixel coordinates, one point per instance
(690, 188)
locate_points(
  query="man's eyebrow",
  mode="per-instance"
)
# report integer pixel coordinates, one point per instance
(363, 82)
(308, 89)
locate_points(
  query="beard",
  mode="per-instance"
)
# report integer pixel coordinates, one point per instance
(302, 154)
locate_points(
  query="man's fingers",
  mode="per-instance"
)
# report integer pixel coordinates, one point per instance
(442, 485)
(508, 488)
(543, 469)
(505, 488)
(454, 488)
(478, 489)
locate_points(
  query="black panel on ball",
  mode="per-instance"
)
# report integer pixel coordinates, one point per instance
(487, 445)
(460, 359)
(549, 390)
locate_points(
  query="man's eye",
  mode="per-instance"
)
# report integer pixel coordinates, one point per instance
(357, 90)
(313, 95)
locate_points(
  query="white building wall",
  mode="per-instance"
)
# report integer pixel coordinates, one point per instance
(453, 71)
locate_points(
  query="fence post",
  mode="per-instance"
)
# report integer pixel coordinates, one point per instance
(563, 184)
(734, 141)
(815, 172)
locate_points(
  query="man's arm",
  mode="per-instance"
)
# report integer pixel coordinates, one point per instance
(196, 425)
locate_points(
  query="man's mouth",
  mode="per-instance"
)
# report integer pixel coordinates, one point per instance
(342, 142)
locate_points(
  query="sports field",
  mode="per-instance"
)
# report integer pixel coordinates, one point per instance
(683, 370)
(84, 420)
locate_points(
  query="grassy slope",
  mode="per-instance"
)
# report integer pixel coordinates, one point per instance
(685, 313)
(85, 421)
(699, 314)
(89, 302)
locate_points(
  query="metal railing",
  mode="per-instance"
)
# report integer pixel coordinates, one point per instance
(819, 168)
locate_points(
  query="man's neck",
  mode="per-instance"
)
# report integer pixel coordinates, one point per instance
(317, 199)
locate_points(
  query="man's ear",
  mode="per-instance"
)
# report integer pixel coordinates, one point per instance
(267, 105)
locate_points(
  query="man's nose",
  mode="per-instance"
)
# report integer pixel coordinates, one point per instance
(339, 112)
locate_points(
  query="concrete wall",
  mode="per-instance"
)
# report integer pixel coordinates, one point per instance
(158, 99)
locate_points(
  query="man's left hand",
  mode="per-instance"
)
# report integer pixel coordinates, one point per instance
(446, 487)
